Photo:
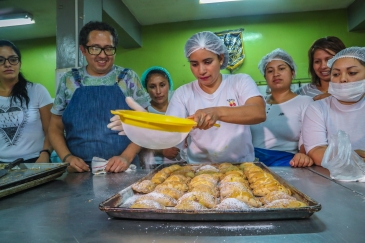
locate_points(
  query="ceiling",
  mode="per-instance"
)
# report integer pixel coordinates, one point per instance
(149, 12)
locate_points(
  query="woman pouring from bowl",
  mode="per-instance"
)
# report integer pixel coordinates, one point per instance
(344, 110)
(233, 101)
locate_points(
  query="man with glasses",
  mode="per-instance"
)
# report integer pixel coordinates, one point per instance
(85, 96)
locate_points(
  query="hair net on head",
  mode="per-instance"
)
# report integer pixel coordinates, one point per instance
(354, 52)
(209, 41)
(277, 54)
(156, 68)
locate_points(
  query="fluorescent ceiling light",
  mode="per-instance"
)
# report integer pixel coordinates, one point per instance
(16, 19)
(216, 1)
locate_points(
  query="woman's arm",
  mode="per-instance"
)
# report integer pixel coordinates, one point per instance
(45, 113)
(252, 112)
(300, 159)
(317, 153)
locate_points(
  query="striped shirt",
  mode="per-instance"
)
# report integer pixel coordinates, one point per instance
(309, 90)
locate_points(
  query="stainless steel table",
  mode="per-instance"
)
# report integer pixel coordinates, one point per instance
(358, 187)
(66, 210)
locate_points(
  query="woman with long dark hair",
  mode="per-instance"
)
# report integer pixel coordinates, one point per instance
(319, 53)
(24, 111)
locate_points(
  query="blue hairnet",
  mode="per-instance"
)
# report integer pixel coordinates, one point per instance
(167, 74)
(209, 41)
(354, 52)
(277, 54)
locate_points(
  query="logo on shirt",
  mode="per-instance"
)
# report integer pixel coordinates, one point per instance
(231, 102)
(281, 114)
(12, 120)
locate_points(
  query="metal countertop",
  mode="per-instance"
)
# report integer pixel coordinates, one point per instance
(66, 210)
(358, 187)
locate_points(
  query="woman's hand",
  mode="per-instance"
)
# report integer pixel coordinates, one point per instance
(43, 158)
(360, 152)
(205, 118)
(321, 96)
(301, 160)
(170, 153)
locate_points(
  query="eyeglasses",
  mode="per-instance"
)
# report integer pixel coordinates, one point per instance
(11, 60)
(96, 50)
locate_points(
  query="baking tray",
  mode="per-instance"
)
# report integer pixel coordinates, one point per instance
(27, 175)
(114, 206)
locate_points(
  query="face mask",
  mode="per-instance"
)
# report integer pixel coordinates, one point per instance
(347, 92)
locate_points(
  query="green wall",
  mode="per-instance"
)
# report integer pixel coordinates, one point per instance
(39, 61)
(163, 44)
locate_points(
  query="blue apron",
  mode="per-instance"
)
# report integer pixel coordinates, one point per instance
(273, 157)
(86, 117)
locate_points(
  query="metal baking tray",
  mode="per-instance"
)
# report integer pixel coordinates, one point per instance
(114, 206)
(27, 175)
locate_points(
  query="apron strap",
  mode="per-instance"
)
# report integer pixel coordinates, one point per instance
(122, 74)
(76, 75)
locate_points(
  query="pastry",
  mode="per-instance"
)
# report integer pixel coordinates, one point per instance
(285, 203)
(159, 177)
(231, 188)
(203, 198)
(174, 184)
(232, 204)
(158, 197)
(205, 177)
(190, 205)
(205, 188)
(147, 204)
(145, 186)
(207, 168)
(275, 195)
(179, 178)
(171, 192)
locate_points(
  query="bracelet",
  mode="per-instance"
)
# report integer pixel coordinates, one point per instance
(64, 158)
(47, 151)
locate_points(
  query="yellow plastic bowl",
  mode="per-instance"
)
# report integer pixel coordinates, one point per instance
(154, 131)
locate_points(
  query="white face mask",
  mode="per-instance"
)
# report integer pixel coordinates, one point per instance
(347, 92)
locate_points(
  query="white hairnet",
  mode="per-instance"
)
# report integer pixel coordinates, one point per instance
(354, 52)
(277, 54)
(209, 41)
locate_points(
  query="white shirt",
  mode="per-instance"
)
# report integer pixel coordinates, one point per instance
(21, 128)
(309, 90)
(230, 142)
(148, 155)
(325, 117)
(282, 128)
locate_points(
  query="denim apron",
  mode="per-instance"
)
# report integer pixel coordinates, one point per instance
(86, 117)
(273, 157)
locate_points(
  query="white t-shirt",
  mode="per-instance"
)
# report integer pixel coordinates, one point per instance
(148, 155)
(325, 117)
(282, 128)
(230, 142)
(309, 90)
(21, 128)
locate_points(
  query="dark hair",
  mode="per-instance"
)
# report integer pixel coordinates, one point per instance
(152, 72)
(96, 25)
(331, 43)
(19, 90)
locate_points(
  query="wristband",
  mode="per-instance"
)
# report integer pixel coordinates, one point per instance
(64, 158)
(45, 150)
